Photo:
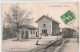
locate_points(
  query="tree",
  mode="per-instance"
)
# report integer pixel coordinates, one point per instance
(17, 17)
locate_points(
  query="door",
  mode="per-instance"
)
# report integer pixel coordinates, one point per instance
(26, 34)
(36, 34)
(44, 32)
(22, 34)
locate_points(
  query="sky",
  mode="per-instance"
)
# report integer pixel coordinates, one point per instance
(52, 9)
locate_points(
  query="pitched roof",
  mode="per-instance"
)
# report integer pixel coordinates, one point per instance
(44, 16)
(28, 26)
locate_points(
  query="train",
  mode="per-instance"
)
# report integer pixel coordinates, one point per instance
(68, 33)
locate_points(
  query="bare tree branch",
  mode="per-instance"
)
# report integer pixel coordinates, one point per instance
(17, 17)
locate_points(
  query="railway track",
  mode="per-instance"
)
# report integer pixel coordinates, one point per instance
(48, 48)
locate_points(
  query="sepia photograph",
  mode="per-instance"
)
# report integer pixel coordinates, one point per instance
(40, 26)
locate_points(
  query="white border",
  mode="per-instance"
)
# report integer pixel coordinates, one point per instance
(20, 1)
(13, 1)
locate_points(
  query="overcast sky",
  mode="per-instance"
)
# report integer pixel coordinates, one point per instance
(53, 9)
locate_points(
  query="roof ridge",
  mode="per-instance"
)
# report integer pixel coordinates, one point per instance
(28, 26)
(46, 17)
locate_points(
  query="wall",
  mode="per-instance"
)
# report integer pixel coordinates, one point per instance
(27, 35)
(48, 26)
(33, 35)
(55, 28)
(22, 35)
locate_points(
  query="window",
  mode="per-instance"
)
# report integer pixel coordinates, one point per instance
(43, 25)
(32, 31)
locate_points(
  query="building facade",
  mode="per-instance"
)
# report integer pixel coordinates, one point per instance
(25, 32)
(28, 31)
(47, 26)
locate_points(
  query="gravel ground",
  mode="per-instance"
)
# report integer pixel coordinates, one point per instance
(25, 45)
(69, 45)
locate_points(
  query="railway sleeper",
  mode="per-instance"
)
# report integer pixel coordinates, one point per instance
(56, 43)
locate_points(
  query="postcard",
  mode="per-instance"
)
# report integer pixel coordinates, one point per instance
(40, 26)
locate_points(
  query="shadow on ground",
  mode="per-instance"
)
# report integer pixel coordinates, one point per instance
(21, 40)
(64, 44)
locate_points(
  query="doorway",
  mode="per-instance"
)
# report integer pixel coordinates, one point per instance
(22, 34)
(26, 34)
(44, 32)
